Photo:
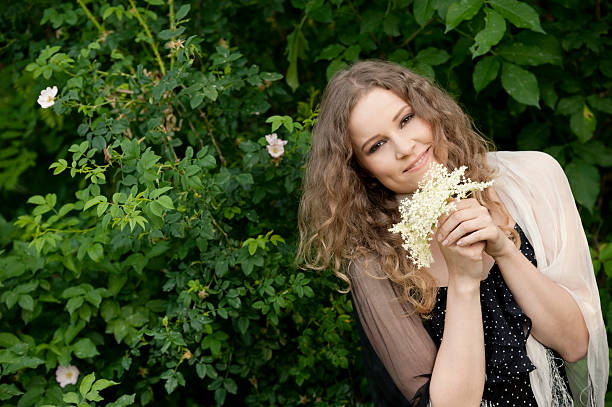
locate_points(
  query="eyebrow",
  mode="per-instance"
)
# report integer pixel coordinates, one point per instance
(397, 115)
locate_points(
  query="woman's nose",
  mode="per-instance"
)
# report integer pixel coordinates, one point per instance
(404, 146)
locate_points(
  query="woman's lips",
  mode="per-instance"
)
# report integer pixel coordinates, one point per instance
(419, 162)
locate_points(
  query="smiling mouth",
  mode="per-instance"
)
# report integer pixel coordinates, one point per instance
(419, 161)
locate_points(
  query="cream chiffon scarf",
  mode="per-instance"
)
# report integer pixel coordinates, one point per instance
(534, 189)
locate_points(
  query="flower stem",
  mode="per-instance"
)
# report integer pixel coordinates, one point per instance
(90, 16)
(172, 28)
(153, 44)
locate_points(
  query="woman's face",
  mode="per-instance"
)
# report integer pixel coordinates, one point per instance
(390, 142)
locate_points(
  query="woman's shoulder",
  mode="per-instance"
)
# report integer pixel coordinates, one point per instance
(532, 164)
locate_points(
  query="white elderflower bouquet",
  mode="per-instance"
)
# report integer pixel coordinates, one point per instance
(431, 200)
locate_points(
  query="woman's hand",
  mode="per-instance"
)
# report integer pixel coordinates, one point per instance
(468, 231)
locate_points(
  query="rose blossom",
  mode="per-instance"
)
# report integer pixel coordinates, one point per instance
(276, 146)
(47, 97)
(66, 375)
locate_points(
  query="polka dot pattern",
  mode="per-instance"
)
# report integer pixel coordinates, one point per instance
(506, 329)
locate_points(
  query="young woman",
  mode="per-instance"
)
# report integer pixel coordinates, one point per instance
(508, 313)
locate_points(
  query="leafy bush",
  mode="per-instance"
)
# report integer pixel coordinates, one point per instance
(147, 235)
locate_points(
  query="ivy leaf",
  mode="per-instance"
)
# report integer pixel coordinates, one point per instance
(485, 71)
(492, 33)
(518, 13)
(583, 124)
(460, 11)
(584, 180)
(521, 84)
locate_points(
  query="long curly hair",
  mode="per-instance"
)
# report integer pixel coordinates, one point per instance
(345, 213)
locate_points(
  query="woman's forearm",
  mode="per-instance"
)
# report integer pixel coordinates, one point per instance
(459, 371)
(557, 321)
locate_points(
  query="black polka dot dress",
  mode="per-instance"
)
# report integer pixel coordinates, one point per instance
(506, 329)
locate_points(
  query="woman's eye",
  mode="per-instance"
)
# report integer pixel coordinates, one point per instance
(376, 146)
(406, 119)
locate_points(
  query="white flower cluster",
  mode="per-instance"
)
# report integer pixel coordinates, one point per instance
(431, 200)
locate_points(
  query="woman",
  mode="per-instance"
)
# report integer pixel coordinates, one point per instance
(482, 325)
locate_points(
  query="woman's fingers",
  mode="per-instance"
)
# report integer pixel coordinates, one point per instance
(468, 217)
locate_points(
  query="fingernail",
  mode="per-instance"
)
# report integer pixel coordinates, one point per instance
(460, 243)
(445, 243)
(439, 238)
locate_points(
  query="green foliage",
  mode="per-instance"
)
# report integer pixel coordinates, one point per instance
(148, 237)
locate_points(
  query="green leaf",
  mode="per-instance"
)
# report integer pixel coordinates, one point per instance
(94, 201)
(102, 384)
(518, 13)
(123, 401)
(71, 397)
(7, 340)
(183, 11)
(196, 100)
(165, 201)
(86, 384)
(423, 10)
(330, 52)
(600, 103)
(333, 67)
(485, 71)
(605, 253)
(201, 370)
(521, 84)
(570, 105)
(583, 124)
(432, 56)
(95, 252)
(585, 182)
(73, 304)
(157, 192)
(460, 11)
(26, 302)
(490, 35)
(530, 54)
(37, 200)
(155, 2)
(8, 391)
(270, 76)
(93, 396)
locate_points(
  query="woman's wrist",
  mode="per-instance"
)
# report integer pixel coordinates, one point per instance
(505, 248)
(465, 285)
